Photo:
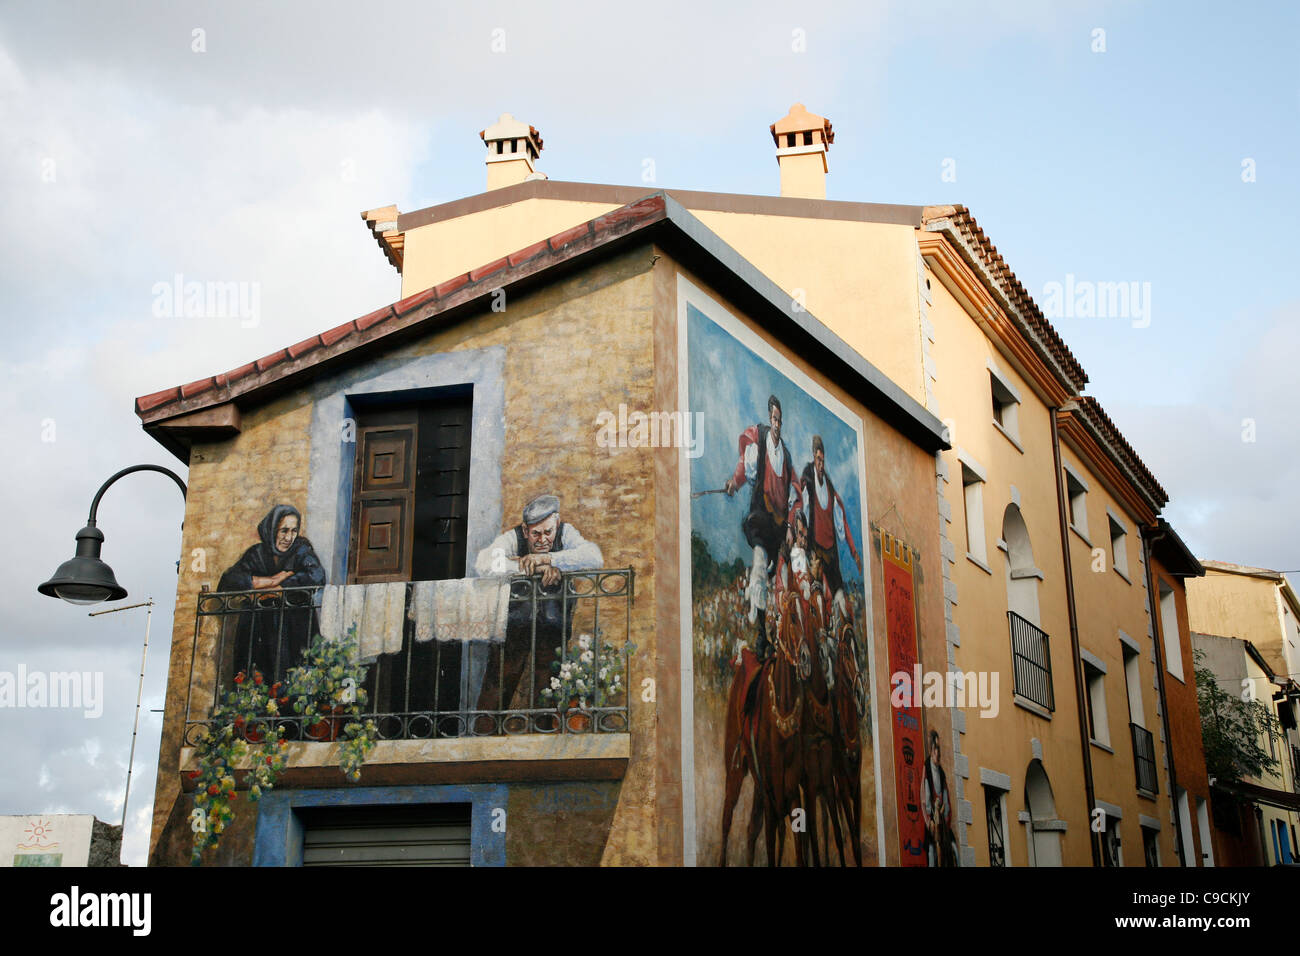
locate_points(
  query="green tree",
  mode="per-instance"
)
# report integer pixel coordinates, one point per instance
(1232, 726)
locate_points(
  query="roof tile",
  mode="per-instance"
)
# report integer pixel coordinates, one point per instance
(451, 285)
(146, 402)
(634, 212)
(305, 346)
(338, 333)
(562, 239)
(374, 318)
(413, 302)
(197, 387)
(523, 255)
(484, 271)
(272, 360)
(235, 374)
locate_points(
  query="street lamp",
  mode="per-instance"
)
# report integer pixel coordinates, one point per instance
(84, 578)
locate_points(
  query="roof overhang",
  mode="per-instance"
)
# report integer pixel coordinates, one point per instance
(171, 415)
(1172, 552)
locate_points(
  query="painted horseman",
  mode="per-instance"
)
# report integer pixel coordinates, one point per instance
(766, 465)
(828, 524)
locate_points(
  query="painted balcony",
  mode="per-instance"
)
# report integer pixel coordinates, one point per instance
(476, 671)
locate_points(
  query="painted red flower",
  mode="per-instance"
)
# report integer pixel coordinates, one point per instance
(239, 678)
(213, 790)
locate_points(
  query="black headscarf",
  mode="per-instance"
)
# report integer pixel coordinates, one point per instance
(268, 526)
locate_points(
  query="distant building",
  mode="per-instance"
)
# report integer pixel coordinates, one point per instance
(59, 840)
(1256, 610)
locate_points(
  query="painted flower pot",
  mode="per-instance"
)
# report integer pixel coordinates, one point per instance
(330, 726)
(577, 720)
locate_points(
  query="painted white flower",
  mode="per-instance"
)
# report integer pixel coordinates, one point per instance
(555, 683)
(584, 641)
(587, 657)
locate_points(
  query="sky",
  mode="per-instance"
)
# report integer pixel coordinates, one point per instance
(1148, 143)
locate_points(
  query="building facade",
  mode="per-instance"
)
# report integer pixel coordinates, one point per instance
(1245, 623)
(884, 594)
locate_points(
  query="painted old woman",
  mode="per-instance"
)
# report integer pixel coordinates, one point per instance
(271, 635)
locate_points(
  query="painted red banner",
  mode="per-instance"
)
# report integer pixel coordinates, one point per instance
(909, 750)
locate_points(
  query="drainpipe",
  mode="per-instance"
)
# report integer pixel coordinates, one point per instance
(1081, 705)
(1149, 539)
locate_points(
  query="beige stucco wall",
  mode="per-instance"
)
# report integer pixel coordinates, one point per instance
(1237, 605)
(1005, 744)
(856, 277)
(1109, 602)
(442, 250)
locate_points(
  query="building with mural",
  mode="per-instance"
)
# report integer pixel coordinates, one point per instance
(668, 527)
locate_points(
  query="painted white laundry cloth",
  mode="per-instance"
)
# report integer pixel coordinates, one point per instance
(374, 610)
(461, 609)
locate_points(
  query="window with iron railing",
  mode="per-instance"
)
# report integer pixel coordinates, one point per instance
(1031, 658)
(1144, 759)
(994, 818)
(436, 655)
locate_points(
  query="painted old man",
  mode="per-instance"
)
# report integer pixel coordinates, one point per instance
(827, 519)
(541, 546)
(765, 464)
(272, 637)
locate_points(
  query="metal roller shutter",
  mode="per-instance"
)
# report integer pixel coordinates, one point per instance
(436, 835)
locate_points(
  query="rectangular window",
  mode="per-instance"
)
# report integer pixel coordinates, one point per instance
(1203, 826)
(1118, 546)
(1169, 628)
(1098, 726)
(973, 493)
(995, 817)
(1077, 497)
(1185, 842)
(1133, 684)
(1005, 406)
(1151, 846)
(1114, 853)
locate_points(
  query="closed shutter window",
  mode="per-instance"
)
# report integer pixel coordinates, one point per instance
(437, 835)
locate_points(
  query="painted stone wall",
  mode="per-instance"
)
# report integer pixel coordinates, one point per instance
(573, 349)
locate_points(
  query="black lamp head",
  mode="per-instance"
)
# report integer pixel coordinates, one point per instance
(85, 579)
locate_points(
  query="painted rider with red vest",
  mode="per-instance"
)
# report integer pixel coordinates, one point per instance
(828, 524)
(766, 465)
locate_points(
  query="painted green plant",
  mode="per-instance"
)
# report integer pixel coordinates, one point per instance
(592, 674)
(245, 724)
(241, 727)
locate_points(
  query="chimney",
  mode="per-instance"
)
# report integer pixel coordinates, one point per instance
(512, 149)
(802, 139)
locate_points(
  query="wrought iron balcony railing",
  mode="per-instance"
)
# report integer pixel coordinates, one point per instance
(1031, 658)
(561, 665)
(1144, 759)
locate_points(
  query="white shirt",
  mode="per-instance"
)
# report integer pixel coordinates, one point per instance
(575, 553)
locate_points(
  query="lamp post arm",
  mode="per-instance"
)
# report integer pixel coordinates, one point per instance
(94, 505)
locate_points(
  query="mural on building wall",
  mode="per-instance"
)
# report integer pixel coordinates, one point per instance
(784, 758)
(284, 558)
(925, 834)
(38, 846)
